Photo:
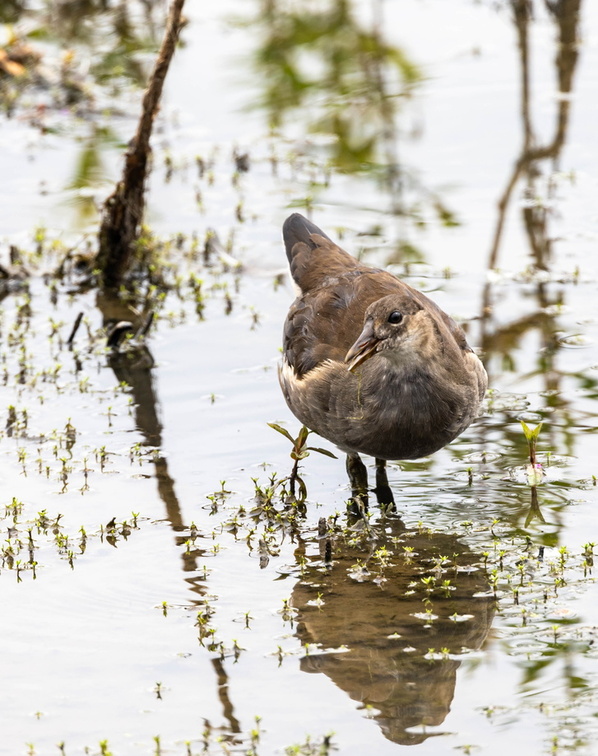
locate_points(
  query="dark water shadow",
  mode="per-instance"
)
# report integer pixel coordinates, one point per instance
(133, 365)
(388, 617)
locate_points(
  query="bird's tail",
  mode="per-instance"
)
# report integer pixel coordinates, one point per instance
(296, 229)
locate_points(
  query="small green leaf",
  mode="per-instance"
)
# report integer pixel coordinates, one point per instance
(531, 434)
(302, 437)
(321, 451)
(282, 430)
(299, 454)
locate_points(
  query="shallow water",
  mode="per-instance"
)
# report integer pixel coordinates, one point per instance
(172, 632)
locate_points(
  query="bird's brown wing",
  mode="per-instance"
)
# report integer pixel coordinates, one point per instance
(336, 290)
(324, 322)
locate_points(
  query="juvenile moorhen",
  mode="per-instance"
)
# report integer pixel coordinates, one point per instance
(370, 363)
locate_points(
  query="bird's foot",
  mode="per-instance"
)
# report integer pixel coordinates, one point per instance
(383, 491)
(358, 477)
(385, 499)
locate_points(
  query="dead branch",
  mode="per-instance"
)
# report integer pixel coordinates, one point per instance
(123, 210)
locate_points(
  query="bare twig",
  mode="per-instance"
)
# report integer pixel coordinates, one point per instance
(123, 210)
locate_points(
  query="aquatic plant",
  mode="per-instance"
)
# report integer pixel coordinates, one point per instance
(298, 453)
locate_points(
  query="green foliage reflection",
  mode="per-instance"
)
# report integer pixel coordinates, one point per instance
(322, 58)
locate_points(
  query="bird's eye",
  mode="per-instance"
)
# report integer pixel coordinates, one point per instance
(395, 317)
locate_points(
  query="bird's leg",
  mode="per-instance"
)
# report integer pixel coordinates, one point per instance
(383, 491)
(358, 477)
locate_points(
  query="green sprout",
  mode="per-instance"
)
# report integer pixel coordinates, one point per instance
(299, 451)
(531, 436)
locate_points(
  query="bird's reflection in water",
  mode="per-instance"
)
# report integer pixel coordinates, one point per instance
(416, 592)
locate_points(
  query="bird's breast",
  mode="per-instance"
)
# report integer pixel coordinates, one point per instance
(379, 410)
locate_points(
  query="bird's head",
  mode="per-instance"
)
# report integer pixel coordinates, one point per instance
(393, 322)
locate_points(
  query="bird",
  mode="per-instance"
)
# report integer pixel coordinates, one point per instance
(370, 363)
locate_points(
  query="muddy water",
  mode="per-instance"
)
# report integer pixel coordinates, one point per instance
(152, 603)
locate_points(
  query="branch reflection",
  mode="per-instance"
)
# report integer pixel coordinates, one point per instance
(133, 366)
(535, 173)
(566, 16)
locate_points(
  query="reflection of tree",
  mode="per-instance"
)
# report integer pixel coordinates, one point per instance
(529, 172)
(566, 17)
(111, 33)
(96, 46)
(321, 64)
(408, 599)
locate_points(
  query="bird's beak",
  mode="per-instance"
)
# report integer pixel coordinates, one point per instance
(363, 348)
